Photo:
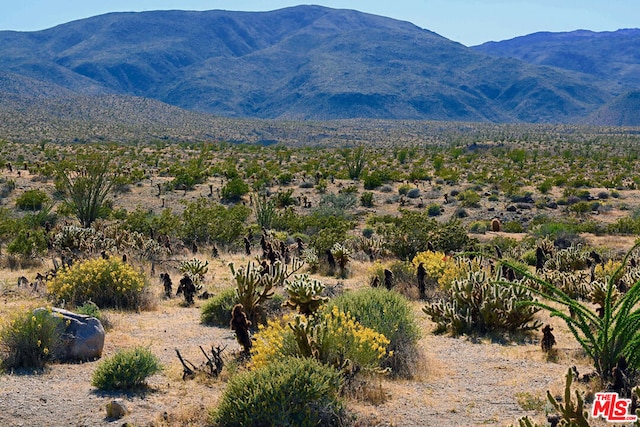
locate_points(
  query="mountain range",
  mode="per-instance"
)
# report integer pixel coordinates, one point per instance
(317, 63)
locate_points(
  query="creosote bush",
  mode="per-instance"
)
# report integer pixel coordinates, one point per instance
(217, 310)
(126, 369)
(29, 339)
(106, 282)
(288, 392)
(31, 200)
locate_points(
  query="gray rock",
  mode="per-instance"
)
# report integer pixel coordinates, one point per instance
(82, 338)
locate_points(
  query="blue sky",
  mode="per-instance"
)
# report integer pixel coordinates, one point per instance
(469, 22)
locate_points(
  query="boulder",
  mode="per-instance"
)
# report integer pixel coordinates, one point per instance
(82, 338)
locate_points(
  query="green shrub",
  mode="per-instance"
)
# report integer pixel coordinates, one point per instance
(390, 314)
(374, 179)
(31, 200)
(126, 369)
(404, 189)
(434, 209)
(545, 186)
(28, 243)
(411, 232)
(285, 178)
(204, 220)
(217, 310)
(513, 227)
(106, 282)
(234, 189)
(478, 227)
(289, 392)
(29, 339)
(469, 199)
(414, 193)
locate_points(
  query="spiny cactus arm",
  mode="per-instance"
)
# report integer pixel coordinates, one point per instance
(266, 294)
(572, 415)
(550, 291)
(296, 265)
(303, 331)
(580, 414)
(556, 295)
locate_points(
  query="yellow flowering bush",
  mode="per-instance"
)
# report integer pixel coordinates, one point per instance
(606, 270)
(441, 269)
(345, 338)
(106, 282)
(391, 314)
(29, 338)
(333, 336)
(273, 341)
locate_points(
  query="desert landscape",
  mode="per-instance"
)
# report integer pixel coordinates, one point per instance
(483, 196)
(317, 217)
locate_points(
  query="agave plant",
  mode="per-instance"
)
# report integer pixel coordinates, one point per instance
(605, 336)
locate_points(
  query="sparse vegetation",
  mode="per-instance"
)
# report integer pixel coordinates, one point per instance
(406, 210)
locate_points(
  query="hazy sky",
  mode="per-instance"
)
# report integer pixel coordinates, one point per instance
(469, 22)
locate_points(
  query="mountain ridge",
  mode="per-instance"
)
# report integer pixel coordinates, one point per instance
(297, 63)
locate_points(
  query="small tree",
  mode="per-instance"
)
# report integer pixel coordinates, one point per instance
(87, 186)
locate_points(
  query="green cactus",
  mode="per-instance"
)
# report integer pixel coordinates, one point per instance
(342, 254)
(599, 292)
(254, 286)
(304, 294)
(571, 414)
(477, 304)
(305, 334)
(195, 269)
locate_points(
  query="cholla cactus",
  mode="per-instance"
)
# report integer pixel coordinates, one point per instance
(478, 304)
(254, 287)
(195, 269)
(599, 294)
(310, 257)
(342, 254)
(304, 294)
(306, 336)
